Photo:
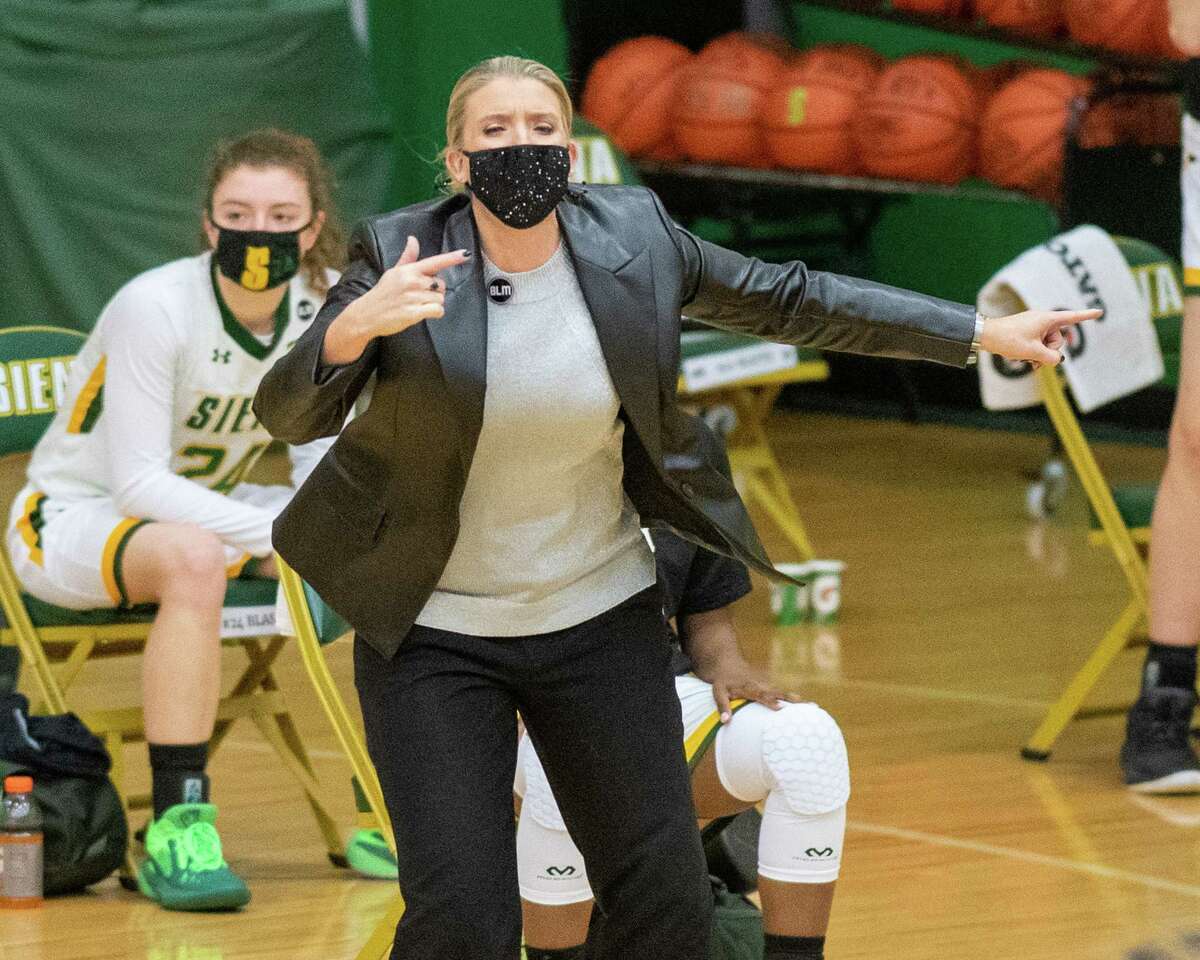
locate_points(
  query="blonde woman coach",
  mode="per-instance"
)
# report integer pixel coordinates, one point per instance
(479, 523)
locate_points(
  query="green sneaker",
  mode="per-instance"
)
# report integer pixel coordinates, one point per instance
(370, 855)
(184, 869)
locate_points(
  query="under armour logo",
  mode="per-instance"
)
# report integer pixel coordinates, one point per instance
(823, 852)
(221, 356)
(567, 871)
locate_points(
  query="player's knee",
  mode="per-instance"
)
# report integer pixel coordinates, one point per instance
(537, 799)
(193, 561)
(805, 752)
(797, 751)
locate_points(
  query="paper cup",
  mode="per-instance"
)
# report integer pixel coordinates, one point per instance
(789, 601)
(825, 591)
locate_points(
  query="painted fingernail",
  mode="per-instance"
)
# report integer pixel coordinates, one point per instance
(434, 285)
(466, 254)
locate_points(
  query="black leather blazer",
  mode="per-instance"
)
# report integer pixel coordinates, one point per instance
(374, 525)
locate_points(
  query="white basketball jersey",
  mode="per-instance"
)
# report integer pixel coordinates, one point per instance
(161, 392)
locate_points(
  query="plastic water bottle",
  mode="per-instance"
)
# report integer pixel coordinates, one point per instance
(20, 845)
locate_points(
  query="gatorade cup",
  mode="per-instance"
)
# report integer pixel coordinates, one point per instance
(825, 592)
(790, 602)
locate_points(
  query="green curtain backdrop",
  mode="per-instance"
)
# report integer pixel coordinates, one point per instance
(420, 47)
(109, 108)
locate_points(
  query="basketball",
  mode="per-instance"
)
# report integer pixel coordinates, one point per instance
(630, 90)
(1023, 131)
(943, 8)
(719, 97)
(1036, 18)
(997, 75)
(1127, 26)
(918, 121)
(807, 114)
(737, 41)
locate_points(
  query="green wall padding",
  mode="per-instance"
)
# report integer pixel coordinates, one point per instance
(420, 48)
(108, 112)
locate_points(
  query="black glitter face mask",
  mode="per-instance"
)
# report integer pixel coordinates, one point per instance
(522, 184)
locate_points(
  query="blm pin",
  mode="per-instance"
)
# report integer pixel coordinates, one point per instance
(499, 290)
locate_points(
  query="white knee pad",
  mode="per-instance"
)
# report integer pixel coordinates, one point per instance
(550, 867)
(531, 785)
(795, 758)
(799, 849)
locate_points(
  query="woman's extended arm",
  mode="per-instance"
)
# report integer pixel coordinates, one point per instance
(789, 303)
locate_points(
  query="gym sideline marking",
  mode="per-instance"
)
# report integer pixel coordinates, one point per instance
(1041, 859)
(930, 693)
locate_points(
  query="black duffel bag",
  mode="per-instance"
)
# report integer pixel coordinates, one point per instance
(85, 831)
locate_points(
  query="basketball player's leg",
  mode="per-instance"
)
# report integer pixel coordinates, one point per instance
(182, 569)
(87, 555)
(1157, 756)
(789, 909)
(799, 850)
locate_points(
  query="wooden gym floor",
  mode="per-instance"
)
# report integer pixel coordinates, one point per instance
(961, 621)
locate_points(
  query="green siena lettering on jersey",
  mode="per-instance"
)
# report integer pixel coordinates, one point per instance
(30, 387)
(212, 458)
(224, 415)
(1158, 284)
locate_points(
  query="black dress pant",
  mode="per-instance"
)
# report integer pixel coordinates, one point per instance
(599, 701)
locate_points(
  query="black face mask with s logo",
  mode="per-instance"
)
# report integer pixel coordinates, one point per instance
(258, 259)
(521, 184)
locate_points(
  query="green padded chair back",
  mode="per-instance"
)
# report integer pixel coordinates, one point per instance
(34, 363)
(599, 161)
(327, 621)
(1161, 282)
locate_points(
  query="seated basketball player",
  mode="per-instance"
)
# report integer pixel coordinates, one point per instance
(135, 494)
(790, 755)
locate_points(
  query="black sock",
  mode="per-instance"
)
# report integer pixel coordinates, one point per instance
(1168, 666)
(793, 948)
(177, 774)
(563, 953)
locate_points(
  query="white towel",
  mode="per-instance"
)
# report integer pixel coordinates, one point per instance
(1107, 358)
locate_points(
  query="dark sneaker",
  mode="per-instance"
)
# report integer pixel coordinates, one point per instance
(1157, 756)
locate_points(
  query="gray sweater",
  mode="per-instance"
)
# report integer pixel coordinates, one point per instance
(547, 537)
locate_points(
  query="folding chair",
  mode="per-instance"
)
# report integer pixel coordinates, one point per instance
(1120, 515)
(57, 643)
(316, 626)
